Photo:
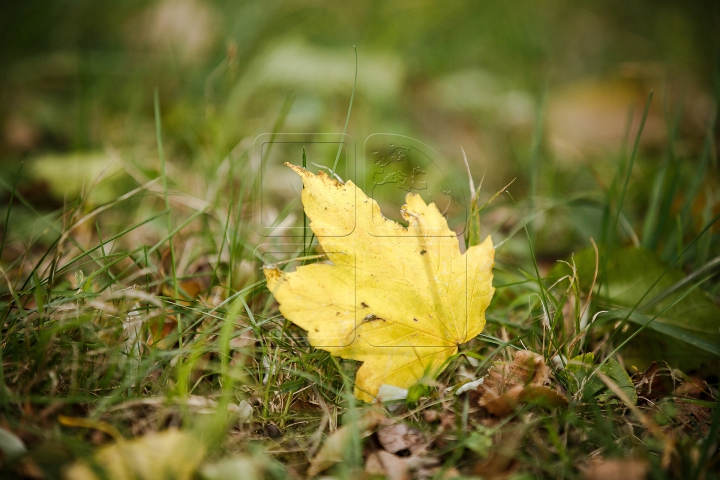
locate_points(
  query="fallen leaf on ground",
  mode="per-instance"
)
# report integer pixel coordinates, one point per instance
(385, 463)
(447, 421)
(691, 415)
(398, 299)
(692, 388)
(526, 379)
(650, 384)
(336, 445)
(430, 416)
(197, 279)
(169, 454)
(161, 327)
(394, 466)
(399, 436)
(617, 468)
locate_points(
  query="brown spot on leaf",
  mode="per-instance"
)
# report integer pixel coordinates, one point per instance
(364, 305)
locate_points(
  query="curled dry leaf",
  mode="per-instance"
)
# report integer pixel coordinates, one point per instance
(526, 379)
(399, 436)
(385, 463)
(692, 388)
(650, 384)
(691, 416)
(400, 300)
(398, 440)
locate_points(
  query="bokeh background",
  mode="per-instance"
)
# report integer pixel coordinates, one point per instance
(126, 278)
(554, 88)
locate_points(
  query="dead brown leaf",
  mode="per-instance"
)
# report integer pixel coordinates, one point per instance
(385, 463)
(526, 379)
(303, 406)
(447, 421)
(430, 416)
(417, 466)
(399, 436)
(692, 388)
(693, 417)
(160, 329)
(28, 468)
(197, 278)
(650, 384)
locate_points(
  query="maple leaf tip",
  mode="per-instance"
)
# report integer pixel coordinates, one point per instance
(272, 276)
(297, 168)
(307, 174)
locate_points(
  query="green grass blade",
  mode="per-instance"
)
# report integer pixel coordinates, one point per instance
(347, 119)
(613, 229)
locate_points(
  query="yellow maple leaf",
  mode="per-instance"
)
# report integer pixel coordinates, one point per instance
(400, 300)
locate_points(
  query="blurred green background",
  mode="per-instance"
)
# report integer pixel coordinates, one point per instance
(95, 240)
(500, 79)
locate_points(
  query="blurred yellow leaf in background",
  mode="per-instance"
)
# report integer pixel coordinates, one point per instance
(169, 454)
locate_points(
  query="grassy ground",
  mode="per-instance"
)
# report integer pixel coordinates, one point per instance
(133, 236)
(147, 313)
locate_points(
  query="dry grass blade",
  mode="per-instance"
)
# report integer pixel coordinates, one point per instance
(667, 441)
